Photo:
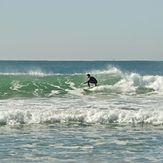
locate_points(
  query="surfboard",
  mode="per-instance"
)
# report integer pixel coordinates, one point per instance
(88, 89)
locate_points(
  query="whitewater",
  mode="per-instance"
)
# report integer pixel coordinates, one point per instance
(47, 114)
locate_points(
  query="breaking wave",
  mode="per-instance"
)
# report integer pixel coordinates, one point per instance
(79, 111)
(110, 81)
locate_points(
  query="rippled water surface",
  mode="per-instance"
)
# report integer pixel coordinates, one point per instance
(74, 143)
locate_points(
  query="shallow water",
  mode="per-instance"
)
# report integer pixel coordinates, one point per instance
(77, 143)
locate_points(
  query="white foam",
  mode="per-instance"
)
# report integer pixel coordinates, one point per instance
(81, 110)
(15, 85)
(32, 72)
(76, 91)
(53, 93)
(130, 83)
(36, 73)
(155, 82)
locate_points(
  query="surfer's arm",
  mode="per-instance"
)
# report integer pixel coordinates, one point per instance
(86, 81)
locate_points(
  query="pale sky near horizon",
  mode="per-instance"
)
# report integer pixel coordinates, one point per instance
(81, 29)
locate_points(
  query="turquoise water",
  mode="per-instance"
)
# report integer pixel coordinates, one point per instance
(47, 116)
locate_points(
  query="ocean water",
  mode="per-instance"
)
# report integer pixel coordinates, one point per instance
(48, 115)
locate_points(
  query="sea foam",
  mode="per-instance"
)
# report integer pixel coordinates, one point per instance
(81, 111)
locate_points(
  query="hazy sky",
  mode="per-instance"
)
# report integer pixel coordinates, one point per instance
(81, 29)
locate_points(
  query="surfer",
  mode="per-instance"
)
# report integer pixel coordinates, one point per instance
(91, 79)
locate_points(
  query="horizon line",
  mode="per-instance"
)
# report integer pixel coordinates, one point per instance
(77, 60)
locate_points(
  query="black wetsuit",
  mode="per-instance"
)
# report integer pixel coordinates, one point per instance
(92, 80)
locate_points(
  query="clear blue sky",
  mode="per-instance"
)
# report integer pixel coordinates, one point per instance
(81, 29)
